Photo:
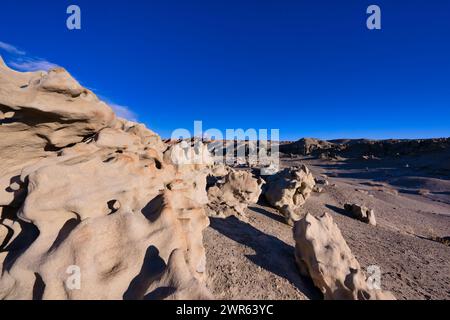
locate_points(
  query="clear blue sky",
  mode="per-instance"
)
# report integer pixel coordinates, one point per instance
(309, 68)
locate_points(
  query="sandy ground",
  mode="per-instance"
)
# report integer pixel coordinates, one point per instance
(255, 260)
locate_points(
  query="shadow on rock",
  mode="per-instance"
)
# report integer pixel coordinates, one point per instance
(152, 267)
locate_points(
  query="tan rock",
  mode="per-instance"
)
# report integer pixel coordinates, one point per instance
(3, 235)
(361, 213)
(234, 194)
(114, 138)
(92, 206)
(317, 189)
(270, 169)
(219, 170)
(192, 164)
(288, 190)
(323, 255)
(177, 275)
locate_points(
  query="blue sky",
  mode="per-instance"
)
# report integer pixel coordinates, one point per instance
(309, 68)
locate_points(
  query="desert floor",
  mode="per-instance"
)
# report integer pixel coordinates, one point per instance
(255, 260)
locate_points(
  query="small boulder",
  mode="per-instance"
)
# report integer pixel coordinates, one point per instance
(288, 190)
(233, 194)
(323, 255)
(361, 213)
(317, 189)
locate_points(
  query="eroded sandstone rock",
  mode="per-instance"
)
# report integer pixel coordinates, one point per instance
(192, 164)
(219, 171)
(84, 191)
(361, 213)
(234, 194)
(323, 255)
(288, 190)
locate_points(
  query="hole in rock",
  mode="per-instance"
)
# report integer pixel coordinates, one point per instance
(113, 205)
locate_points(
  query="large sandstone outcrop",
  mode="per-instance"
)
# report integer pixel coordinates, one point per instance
(322, 254)
(92, 200)
(233, 194)
(193, 163)
(288, 190)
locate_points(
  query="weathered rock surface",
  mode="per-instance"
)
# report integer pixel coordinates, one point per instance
(370, 149)
(92, 200)
(305, 146)
(322, 254)
(270, 169)
(317, 189)
(233, 194)
(288, 190)
(219, 171)
(361, 213)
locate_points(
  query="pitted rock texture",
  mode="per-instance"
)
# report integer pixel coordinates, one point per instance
(92, 206)
(288, 190)
(323, 255)
(233, 194)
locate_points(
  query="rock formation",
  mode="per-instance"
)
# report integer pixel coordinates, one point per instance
(367, 149)
(92, 200)
(270, 169)
(317, 189)
(361, 213)
(288, 190)
(323, 255)
(305, 146)
(219, 171)
(233, 194)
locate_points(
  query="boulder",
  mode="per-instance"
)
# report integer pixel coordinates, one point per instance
(93, 206)
(323, 255)
(361, 213)
(233, 194)
(288, 190)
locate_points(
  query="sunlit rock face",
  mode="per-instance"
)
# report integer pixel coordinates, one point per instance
(323, 255)
(231, 195)
(288, 191)
(92, 206)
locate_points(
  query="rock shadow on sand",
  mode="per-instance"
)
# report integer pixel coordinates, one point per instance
(271, 253)
(269, 214)
(338, 210)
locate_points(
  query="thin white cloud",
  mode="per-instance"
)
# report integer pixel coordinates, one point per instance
(19, 60)
(32, 64)
(11, 49)
(120, 110)
(123, 112)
